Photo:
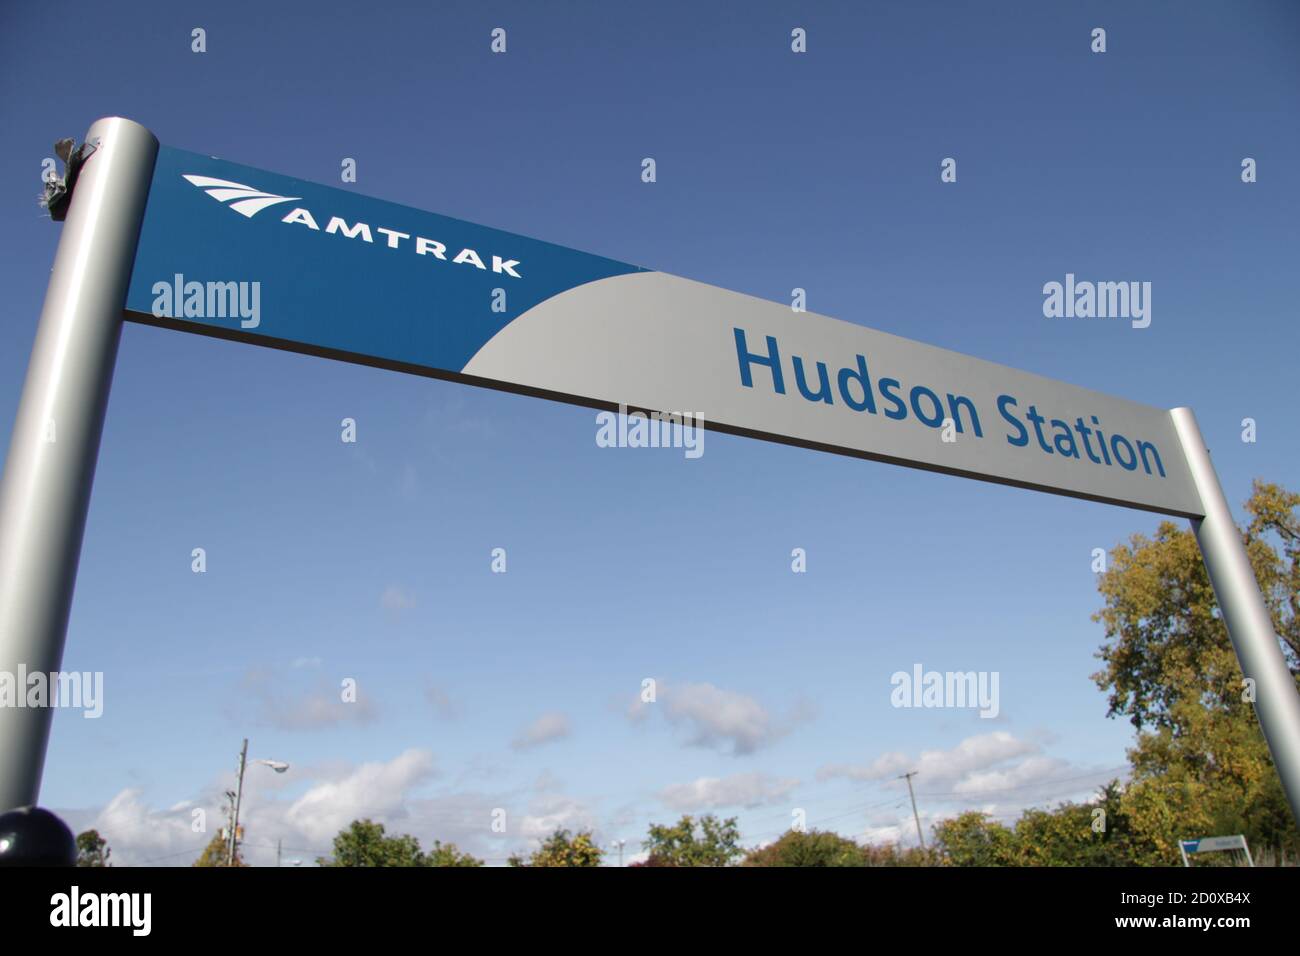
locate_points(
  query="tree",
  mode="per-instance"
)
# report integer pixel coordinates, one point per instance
(1098, 833)
(890, 854)
(562, 849)
(363, 843)
(446, 854)
(813, 848)
(1201, 766)
(217, 852)
(706, 842)
(975, 839)
(92, 849)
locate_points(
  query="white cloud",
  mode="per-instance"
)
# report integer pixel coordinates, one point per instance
(548, 727)
(136, 833)
(881, 835)
(993, 773)
(396, 599)
(1038, 769)
(375, 790)
(718, 718)
(440, 702)
(746, 790)
(939, 768)
(388, 792)
(318, 707)
(550, 812)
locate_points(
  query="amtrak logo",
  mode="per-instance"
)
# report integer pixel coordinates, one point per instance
(245, 200)
(248, 201)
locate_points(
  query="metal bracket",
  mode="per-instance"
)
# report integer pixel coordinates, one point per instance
(58, 191)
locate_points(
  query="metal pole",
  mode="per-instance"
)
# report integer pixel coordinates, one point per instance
(51, 463)
(1277, 704)
(239, 795)
(915, 816)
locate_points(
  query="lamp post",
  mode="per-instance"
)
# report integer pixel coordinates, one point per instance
(279, 766)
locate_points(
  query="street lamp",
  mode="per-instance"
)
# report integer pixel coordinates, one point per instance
(620, 844)
(279, 766)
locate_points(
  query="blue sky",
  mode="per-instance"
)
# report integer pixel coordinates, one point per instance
(821, 171)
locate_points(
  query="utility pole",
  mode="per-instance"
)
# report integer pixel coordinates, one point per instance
(239, 794)
(277, 853)
(915, 816)
(230, 821)
(620, 844)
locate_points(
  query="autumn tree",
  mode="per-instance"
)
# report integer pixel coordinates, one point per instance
(1200, 764)
(365, 843)
(563, 849)
(92, 849)
(217, 852)
(812, 848)
(707, 841)
(891, 854)
(1096, 833)
(446, 854)
(975, 839)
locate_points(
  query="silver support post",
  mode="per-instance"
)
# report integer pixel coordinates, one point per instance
(1277, 703)
(48, 473)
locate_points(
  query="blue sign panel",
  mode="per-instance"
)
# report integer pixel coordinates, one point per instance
(335, 272)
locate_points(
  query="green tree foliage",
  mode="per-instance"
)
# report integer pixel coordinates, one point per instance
(707, 841)
(92, 849)
(1200, 763)
(813, 848)
(975, 839)
(1097, 833)
(563, 849)
(446, 854)
(890, 854)
(821, 848)
(217, 852)
(364, 843)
